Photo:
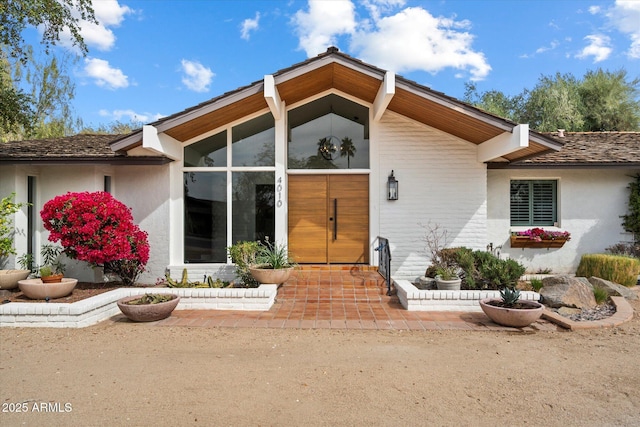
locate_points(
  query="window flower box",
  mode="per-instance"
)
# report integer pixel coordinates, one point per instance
(539, 238)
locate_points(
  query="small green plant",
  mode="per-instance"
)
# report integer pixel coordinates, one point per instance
(51, 263)
(184, 282)
(447, 273)
(536, 284)
(273, 255)
(600, 294)
(8, 207)
(45, 271)
(615, 268)
(150, 299)
(510, 296)
(243, 254)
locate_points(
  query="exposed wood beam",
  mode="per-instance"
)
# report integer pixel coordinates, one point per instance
(161, 143)
(505, 143)
(385, 93)
(272, 96)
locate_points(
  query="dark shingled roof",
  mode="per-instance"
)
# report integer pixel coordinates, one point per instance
(586, 149)
(82, 148)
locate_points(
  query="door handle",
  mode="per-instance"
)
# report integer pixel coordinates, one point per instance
(335, 222)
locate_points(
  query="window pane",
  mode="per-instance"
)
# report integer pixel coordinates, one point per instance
(544, 199)
(329, 133)
(519, 203)
(253, 206)
(205, 217)
(254, 142)
(210, 152)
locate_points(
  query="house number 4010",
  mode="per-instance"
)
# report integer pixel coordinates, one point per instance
(279, 190)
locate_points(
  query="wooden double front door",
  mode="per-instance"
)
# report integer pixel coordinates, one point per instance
(329, 218)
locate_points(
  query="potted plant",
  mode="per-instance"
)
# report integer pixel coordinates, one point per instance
(272, 264)
(447, 278)
(510, 310)
(539, 238)
(243, 255)
(51, 282)
(9, 278)
(148, 307)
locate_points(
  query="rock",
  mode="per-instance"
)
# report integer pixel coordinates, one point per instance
(613, 289)
(566, 291)
(568, 312)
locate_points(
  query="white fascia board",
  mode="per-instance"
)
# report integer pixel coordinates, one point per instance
(272, 96)
(304, 69)
(385, 93)
(213, 106)
(503, 144)
(161, 143)
(126, 142)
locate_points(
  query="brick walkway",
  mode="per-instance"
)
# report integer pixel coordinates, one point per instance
(340, 298)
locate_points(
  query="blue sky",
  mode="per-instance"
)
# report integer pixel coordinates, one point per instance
(152, 58)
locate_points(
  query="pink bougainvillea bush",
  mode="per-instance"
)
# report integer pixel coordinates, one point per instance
(97, 228)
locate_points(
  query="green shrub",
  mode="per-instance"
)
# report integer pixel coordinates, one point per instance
(536, 284)
(615, 268)
(480, 269)
(600, 294)
(243, 254)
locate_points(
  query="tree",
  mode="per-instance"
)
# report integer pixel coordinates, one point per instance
(348, 150)
(609, 101)
(554, 103)
(601, 101)
(47, 107)
(52, 16)
(15, 105)
(631, 221)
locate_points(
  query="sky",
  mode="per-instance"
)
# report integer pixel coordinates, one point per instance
(152, 58)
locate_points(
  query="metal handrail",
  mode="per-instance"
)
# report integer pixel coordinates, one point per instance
(384, 261)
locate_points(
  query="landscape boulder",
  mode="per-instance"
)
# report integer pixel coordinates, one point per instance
(613, 289)
(567, 291)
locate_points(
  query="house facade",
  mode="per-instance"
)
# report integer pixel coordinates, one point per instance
(304, 157)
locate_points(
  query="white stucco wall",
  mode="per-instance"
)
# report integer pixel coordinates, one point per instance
(440, 182)
(590, 204)
(145, 189)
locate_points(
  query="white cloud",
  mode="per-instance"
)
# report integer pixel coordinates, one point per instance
(249, 25)
(413, 39)
(318, 28)
(598, 47)
(104, 75)
(625, 17)
(594, 10)
(131, 116)
(108, 13)
(196, 76)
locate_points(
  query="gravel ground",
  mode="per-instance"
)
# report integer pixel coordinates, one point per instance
(120, 373)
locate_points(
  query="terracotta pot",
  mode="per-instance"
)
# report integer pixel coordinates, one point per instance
(9, 278)
(147, 312)
(514, 317)
(52, 278)
(36, 289)
(270, 275)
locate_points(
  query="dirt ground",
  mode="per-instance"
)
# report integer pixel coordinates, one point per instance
(119, 373)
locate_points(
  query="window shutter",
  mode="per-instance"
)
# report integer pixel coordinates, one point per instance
(520, 203)
(533, 202)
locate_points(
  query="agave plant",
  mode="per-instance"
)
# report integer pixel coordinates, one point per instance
(509, 296)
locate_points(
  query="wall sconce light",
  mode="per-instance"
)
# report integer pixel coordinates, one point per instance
(392, 188)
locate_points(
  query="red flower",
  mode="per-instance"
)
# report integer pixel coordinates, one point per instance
(99, 229)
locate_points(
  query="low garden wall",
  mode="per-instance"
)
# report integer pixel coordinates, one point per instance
(414, 299)
(101, 307)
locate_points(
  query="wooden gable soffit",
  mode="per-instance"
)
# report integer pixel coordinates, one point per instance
(272, 96)
(161, 143)
(385, 93)
(504, 144)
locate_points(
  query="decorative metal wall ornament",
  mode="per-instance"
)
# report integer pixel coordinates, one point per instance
(327, 148)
